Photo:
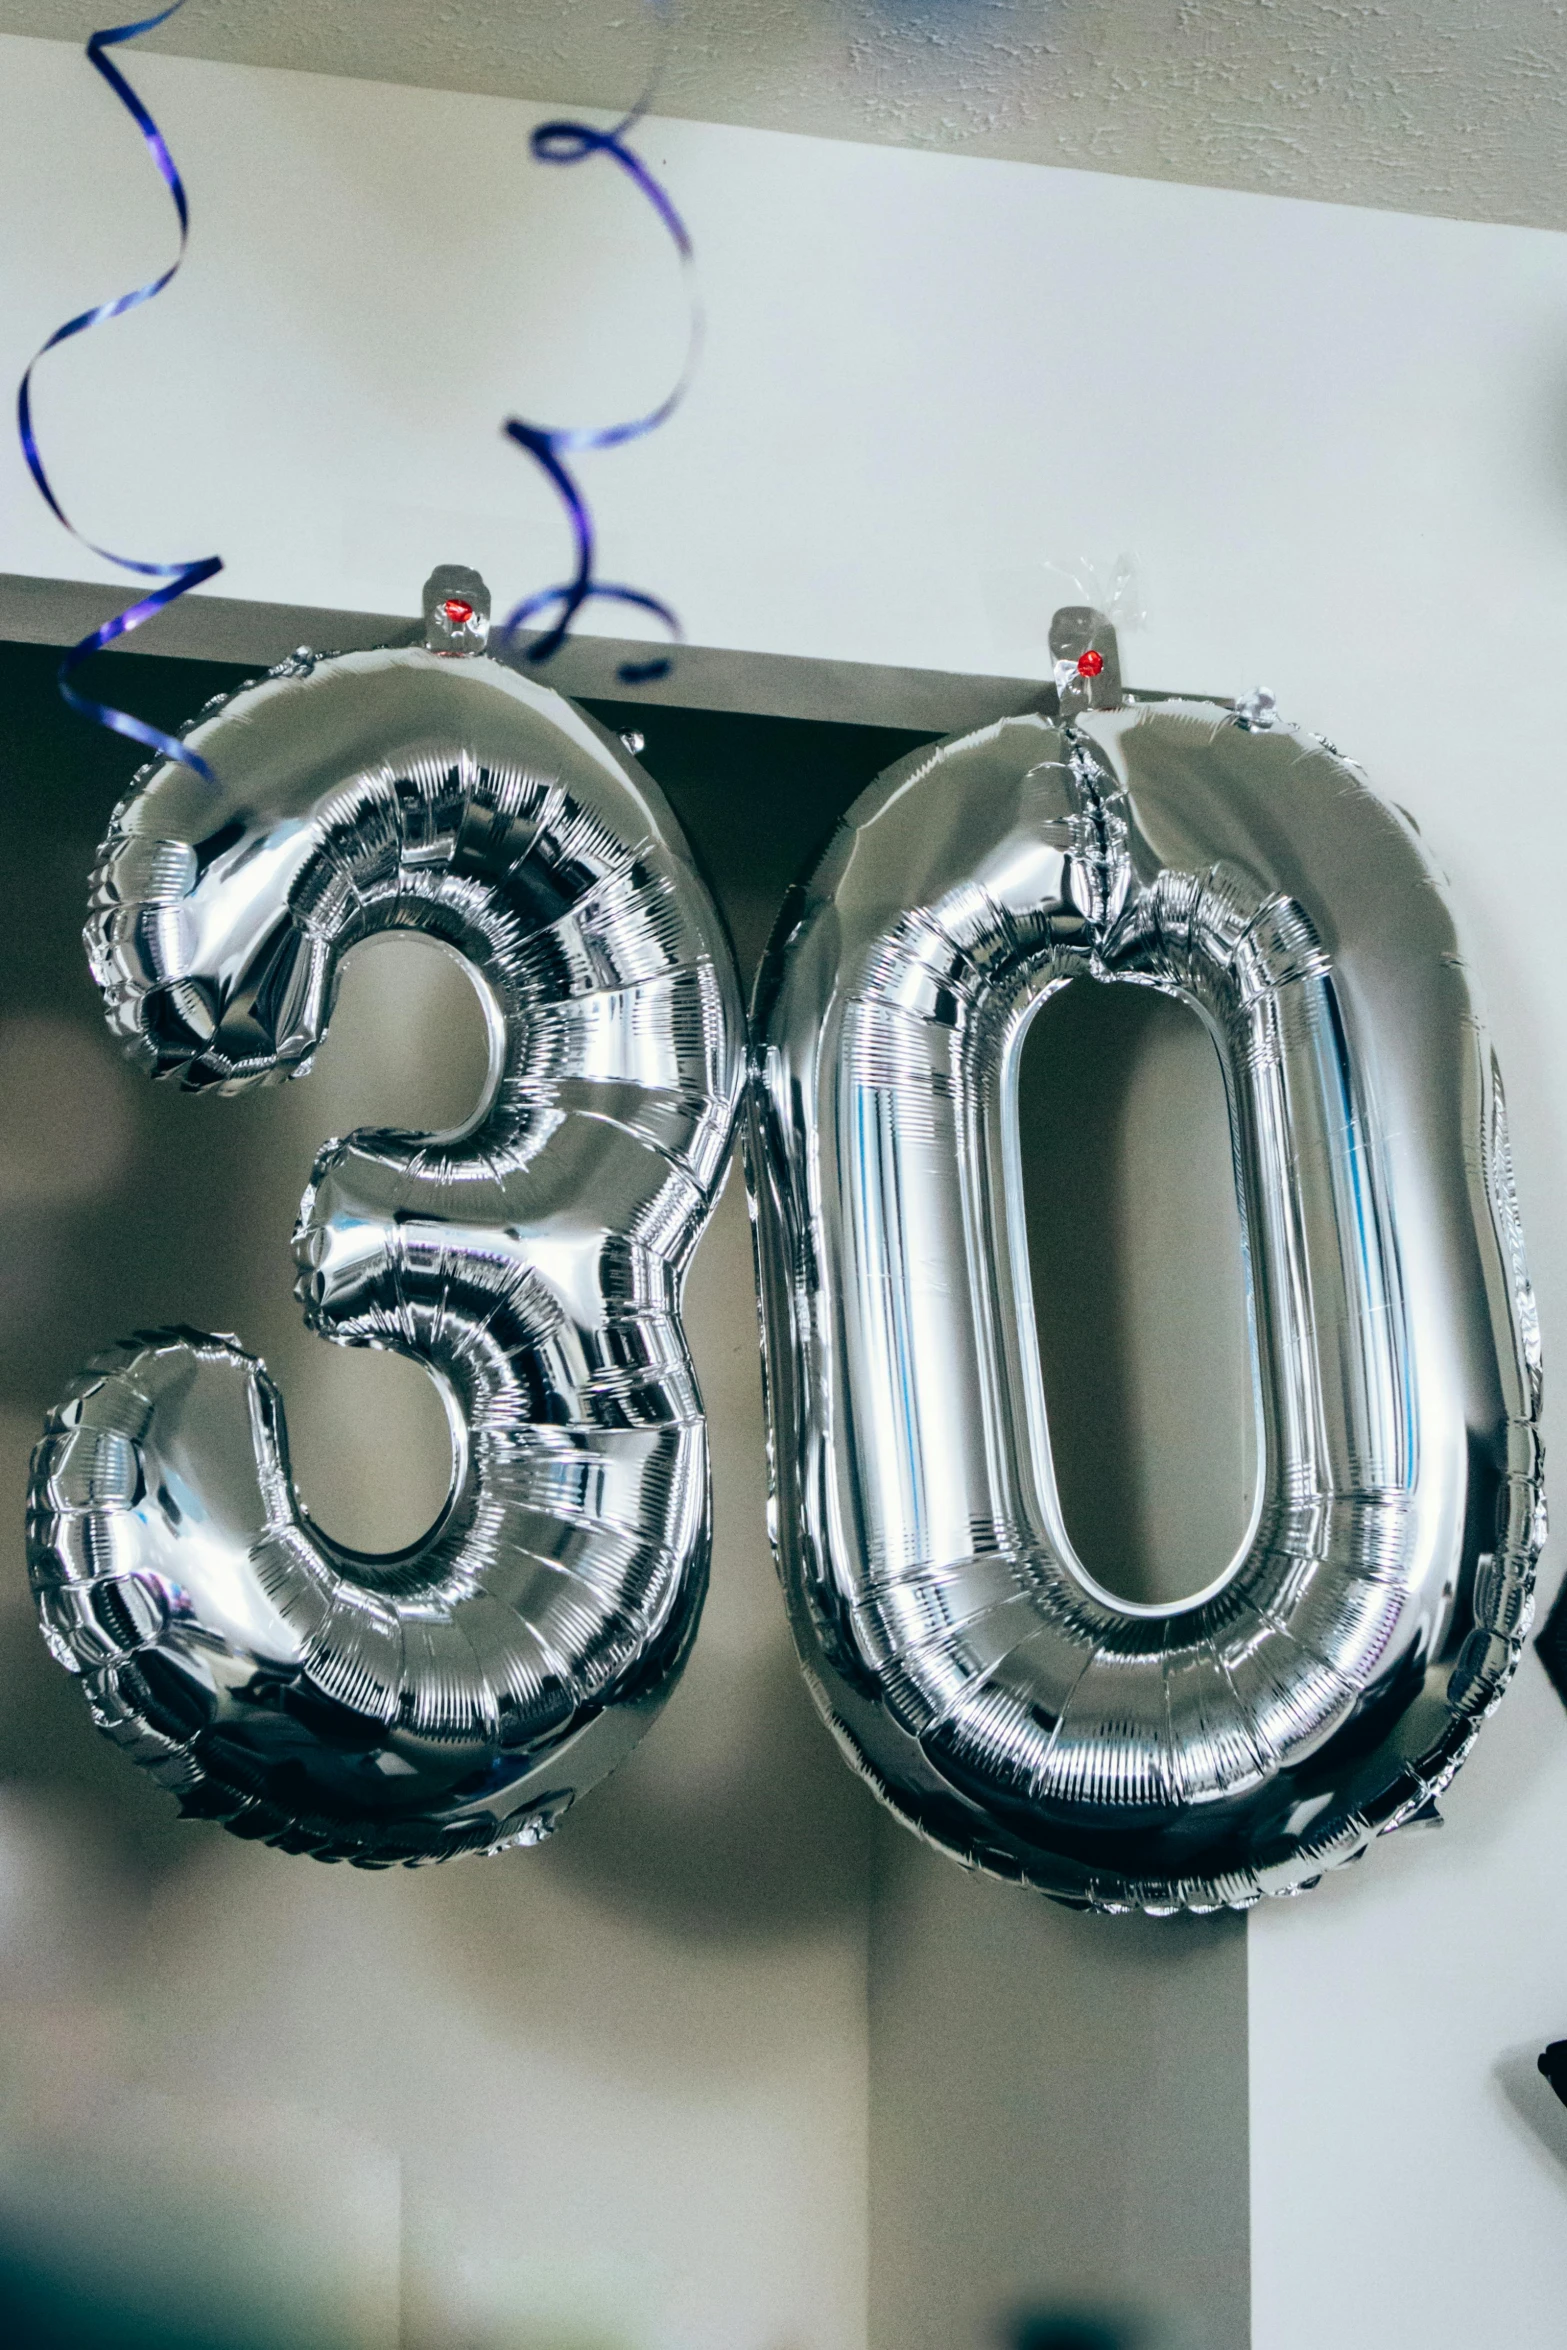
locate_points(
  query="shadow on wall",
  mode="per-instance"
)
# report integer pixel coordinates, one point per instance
(44, 2314)
(1083, 2329)
(1534, 2104)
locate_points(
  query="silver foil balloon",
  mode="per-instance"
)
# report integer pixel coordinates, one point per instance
(1331, 1677)
(456, 1696)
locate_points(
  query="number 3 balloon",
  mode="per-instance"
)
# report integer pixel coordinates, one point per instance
(454, 1697)
(1331, 1678)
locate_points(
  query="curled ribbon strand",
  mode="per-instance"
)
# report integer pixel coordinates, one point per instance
(180, 578)
(550, 445)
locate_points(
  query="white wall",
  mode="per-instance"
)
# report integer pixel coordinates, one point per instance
(1334, 441)
(1409, 2166)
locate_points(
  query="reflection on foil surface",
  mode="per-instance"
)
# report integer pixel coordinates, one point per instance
(458, 1694)
(1329, 1678)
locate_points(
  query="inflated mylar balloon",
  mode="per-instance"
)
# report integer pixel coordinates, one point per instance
(1330, 1679)
(458, 1695)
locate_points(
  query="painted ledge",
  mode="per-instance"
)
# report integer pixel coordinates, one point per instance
(767, 685)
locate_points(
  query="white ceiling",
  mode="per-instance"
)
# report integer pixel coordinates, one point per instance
(1442, 106)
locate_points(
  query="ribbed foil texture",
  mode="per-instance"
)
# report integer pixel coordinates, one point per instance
(1330, 1679)
(458, 1696)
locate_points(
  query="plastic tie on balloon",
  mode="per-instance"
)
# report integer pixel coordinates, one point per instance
(1019, 597)
(1116, 592)
(1256, 712)
(456, 612)
(1086, 660)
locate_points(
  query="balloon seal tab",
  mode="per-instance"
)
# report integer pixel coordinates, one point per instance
(1087, 660)
(1256, 712)
(456, 612)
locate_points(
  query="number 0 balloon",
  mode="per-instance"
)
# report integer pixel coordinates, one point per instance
(1331, 1678)
(458, 1695)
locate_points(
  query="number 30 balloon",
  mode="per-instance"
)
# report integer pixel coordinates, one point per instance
(1331, 1678)
(456, 1696)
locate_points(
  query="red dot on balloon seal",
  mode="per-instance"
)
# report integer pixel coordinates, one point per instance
(457, 612)
(1090, 664)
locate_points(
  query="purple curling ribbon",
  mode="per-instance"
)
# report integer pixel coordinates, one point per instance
(180, 578)
(549, 445)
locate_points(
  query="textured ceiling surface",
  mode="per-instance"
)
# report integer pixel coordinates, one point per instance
(1440, 106)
